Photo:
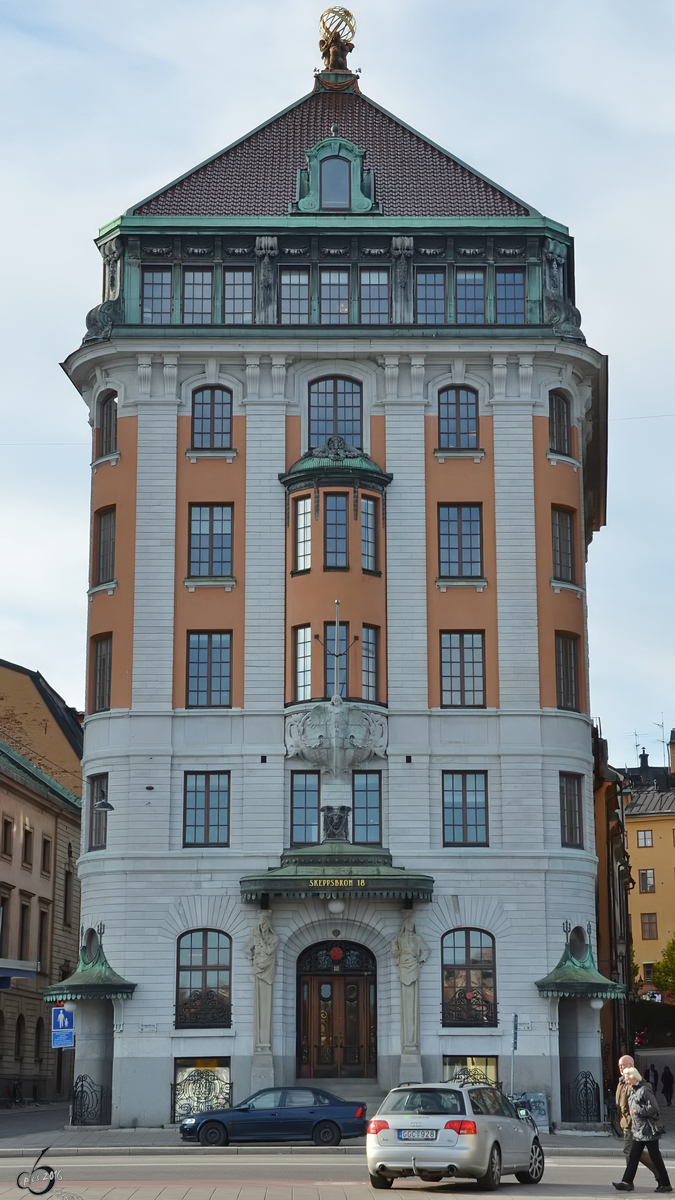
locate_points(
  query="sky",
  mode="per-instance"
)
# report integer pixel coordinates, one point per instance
(570, 106)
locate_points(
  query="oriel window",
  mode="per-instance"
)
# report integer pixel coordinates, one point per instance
(334, 289)
(304, 807)
(460, 541)
(571, 822)
(108, 426)
(567, 671)
(457, 419)
(336, 529)
(302, 637)
(374, 297)
(510, 297)
(105, 538)
(334, 407)
(465, 808)
(369, 663)
(559, 423)
(156, 297)
(562, 525)
(329, 659)
(207, 808)
(303, 533)
(102, 672)
(430, 297)
(212, 419)
(368, 533)
(294, 290)
(462, 669)
(336, 184)
(98, 820)
(210, 540)
(470, 297)
(366, 807)
(237, 296)
(209, 670)
(197, 297)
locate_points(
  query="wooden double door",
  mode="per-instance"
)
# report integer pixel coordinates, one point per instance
(336, 1027)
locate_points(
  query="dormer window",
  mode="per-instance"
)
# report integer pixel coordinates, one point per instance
(335, 184)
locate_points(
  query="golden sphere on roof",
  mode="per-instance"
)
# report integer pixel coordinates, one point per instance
(337, 20)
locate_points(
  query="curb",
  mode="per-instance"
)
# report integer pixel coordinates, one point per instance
(272, 1151)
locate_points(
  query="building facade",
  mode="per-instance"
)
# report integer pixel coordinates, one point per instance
(650, 830)
(343, 841)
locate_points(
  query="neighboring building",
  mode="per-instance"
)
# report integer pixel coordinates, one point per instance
(335, 363)
(39, 911)
(37, 723)
(650, 828)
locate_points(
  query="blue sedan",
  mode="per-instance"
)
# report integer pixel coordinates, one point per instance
(279, 1115)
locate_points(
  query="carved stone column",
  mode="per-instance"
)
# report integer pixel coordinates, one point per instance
(402, 301)
(266, 251)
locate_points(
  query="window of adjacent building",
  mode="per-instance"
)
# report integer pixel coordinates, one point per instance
(462, 669)
(368, 534)
(43, 941)
(203, 983)
(457, 419)
(304, 807)
(294, 296)
(209, 670)
(39, 1048)
(108, 426)
(647, 881)
(649, 927)
(46, 861)
(98, 820)
(197, 297)
(7, 836)
(335, 183)
(470, 297)
(644, 837)
(207, 809)
(374, 297)
(334, 407)
(302, 653)
(562, 528)
(67, 897)
(465, 816)
(510, 297)
(24, 932)
(335, 531)
(567, 671)
(430, 297)
(366, 807)
(334, 296)
(460, 541)
(20, 1037)
(369, 663)
(4, 926)
(571, 822)
(27, 858)
(210, 540)
(237, 296)
(648, 972)
(105, 543)
(212, 419)
(102, 672)
(559, 423)
(156, 297)
(468, 978)
(303, 533)
(329, 659)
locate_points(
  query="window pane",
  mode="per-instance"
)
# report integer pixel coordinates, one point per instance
(649, 926)
(647, 881)
(335, 407)
(563, 544)
(294, 297)
(462, 670)
(431, 297)
(459, 540)
(98, 829)
(510, 297)
(470, 297)
(335, 181)
(212, 419)
(156, 297)
(468, 978)
(374, 297)
(334, 297)
(106, 547)
(329, 643)
(102, 673)
(195, 810)
(303, 663)
(464, 808)
(369, 663)
(197, 297)
(218, 811)
(559, 423)
(566, 672)
(208, 669)
(304, 807)
(203, 982)
(211, 540)
(368, 534)
(457, 419)
(570, 810)
(108, 426)
(335, 516)
(366, 810)
(238, 297)
(303, 534)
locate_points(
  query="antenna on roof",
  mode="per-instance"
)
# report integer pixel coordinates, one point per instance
(660, 725)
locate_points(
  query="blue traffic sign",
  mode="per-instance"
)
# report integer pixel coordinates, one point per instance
(63, 1039)
(61, 1020)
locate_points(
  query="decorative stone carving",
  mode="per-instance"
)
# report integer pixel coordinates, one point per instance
(266, 250)
(170, 375)
(417, 375)
(144, 374)
(402, 250)
(499, 374)
(335, 822)
(559, 312)
(100, 321)
(409, 951)
(252, 375)
(262, 949)
(525, 372)
(112, 253)
(336, 736)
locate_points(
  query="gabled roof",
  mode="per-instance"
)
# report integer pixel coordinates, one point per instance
(651, 802)
(18, 767)
(256, 176)
(61, 712)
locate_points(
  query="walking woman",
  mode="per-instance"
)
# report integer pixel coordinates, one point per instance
(667, 1081)
(647, 1129)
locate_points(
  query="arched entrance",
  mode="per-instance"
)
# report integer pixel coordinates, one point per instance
(337, 1015)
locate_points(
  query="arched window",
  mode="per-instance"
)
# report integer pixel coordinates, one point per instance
(212, 419)
(108, 426)
(468, 978)
(20, 1037)
(39, 1040)
(203, 979)
(335, 183)
(559, 423)
(457, 419)
(334, 407)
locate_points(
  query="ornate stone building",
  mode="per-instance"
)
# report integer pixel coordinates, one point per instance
(334, 363)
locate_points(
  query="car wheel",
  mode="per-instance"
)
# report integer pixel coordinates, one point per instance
(489, 1182)
(326, 1134)
(212, 1133)
(380, 1181)
(536, 1168)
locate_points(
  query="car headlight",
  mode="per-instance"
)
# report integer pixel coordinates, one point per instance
(190, 1121)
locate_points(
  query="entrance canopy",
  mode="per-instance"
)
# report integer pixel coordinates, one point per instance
(337, 870)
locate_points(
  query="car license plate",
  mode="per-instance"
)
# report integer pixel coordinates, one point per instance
(417, 1135)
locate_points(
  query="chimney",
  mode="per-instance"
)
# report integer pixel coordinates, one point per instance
(644, 760)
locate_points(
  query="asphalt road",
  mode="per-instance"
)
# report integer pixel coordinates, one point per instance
(14, 1122)
(267, 1177)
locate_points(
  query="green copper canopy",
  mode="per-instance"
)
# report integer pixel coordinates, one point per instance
(337, 870)
(92, 980)
(336, 462)
(579, 976)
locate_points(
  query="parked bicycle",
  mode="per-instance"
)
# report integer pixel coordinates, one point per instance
(14, 1095)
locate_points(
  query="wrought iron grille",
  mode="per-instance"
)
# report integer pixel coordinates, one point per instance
(91, 1102)
(465, 1075)
(469, 1007)
(203, 1009)
(581, 1099)
(200, 1091)
(336, 958)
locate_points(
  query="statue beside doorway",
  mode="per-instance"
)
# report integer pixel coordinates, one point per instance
(262, 949)
(410, 951)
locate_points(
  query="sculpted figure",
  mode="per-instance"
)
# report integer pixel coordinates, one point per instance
(334, 52)
(262, 948)
(409, 951)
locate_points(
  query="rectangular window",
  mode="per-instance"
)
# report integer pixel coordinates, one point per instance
(329, 659)
(368, 534)
(366, 807)
(303, 533)
(46, 860)
(24, 932)
(645, 838)
(105, 537)
(334, 407)
(465, 808)
(27, 848)
(571, 822)
(156, 297)
(562, 525)
(294, 287)
(566, 671)
(470, 297)
(462, 670)
(212, 419)
(335, 532)
(649, 927)
(648, 972)
(374, 297)
(430, 297)
(209, 670)
(334, 288)
(460, 542)
(304, 807)
(98, 819)
(210, 540)
(647, 881)
(68, 898)
(510, 297)
(303, 663)
(102, 672)
(369, 664)
(4, 926)
(7, 836)
(43, 941)
(559, 423)
(237, 297)
(457, 419)
(207, 809)
(197, 297)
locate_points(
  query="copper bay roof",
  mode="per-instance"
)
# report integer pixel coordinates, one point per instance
(256, 176)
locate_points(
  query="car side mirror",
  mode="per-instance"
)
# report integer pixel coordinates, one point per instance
(523, 1114)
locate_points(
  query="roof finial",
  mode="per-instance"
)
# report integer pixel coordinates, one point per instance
(335, 129)
(337, 27)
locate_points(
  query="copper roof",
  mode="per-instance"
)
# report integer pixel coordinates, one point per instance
(256, 176)
(651, 802)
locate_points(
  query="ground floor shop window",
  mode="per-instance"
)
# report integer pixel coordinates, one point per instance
(200, 1085)
(470, 1068)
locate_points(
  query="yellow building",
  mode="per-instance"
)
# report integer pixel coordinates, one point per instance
(650, 828)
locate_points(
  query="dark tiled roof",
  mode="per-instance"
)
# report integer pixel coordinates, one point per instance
(257, 175)
(651, 802)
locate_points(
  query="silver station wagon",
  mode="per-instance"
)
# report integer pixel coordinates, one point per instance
(437, 1130)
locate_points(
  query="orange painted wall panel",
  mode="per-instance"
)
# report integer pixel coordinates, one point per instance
(293, 441)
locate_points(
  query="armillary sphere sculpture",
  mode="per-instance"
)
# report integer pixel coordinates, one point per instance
(337, 27)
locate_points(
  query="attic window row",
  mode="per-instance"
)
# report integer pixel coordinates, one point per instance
(334, 296)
